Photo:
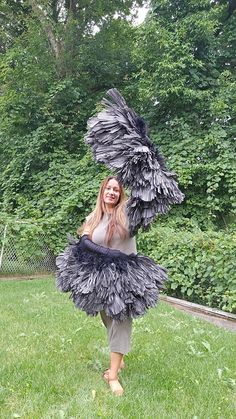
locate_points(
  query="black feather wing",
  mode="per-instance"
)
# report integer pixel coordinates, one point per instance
(119, 139)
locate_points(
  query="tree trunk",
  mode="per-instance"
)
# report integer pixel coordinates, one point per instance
(48, 28)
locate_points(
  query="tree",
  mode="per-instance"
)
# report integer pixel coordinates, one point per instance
(13, 16)
(66, 22)
(186, 89)
(47, 98)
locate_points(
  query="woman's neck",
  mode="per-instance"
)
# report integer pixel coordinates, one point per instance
(109, 209)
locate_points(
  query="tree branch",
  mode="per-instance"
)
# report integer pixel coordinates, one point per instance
(48, 27)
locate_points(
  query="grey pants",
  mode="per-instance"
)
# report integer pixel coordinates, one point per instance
(118, 333)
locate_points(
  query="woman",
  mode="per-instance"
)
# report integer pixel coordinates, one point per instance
(104, 274)
(102, 270)
(108, 226)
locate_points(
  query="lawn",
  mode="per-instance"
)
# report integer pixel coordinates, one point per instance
(53, 355)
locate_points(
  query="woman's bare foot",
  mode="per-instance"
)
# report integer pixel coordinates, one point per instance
(113, 382)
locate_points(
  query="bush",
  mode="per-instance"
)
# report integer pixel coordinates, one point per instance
(201, 265)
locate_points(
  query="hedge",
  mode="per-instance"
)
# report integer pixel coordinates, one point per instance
(201, 265)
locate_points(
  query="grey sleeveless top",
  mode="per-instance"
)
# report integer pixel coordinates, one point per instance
(127, 245)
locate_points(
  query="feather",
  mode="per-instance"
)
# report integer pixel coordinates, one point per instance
(123, 287)
(119, 139)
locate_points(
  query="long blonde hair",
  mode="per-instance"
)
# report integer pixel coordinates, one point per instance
(118, 219)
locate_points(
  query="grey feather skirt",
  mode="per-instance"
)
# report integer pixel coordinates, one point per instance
(122, 287)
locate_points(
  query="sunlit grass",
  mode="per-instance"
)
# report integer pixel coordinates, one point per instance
(52, 358)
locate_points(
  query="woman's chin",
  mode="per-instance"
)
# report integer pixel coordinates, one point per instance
(111, 202)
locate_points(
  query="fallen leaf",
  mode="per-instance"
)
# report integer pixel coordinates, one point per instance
(93, 394)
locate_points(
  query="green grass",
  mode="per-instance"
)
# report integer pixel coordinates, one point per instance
(52, 358)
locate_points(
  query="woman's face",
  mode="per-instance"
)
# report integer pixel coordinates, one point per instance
(111, 193)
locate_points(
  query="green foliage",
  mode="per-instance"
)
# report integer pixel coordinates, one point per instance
(57, 202)
(43, 157)
(13, 15)
(185, 84)
(24, 247)
(106, 57)
(201, 265)
(177, 70)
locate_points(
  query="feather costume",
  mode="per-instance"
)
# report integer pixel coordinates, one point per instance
(121, 285)
(119, 139)
(99, 278)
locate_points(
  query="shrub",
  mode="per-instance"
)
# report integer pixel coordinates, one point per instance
(201, 265)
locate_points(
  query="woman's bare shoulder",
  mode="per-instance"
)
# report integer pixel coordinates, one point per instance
(86, 231)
